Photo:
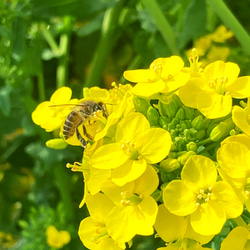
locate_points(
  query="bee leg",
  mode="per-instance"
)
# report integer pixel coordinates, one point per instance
(80, 138)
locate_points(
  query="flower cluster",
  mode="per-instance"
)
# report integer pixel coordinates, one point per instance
(171, 156)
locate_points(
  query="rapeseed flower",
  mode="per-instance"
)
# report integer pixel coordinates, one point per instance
(234, 160)
(241, 117)
(212, 94)
(135, 210)
(51, 118)
(92, 230)
(135, 146)
(164, 75)
(208, 202)
(181, 236)
(57, 239)
(238, 238)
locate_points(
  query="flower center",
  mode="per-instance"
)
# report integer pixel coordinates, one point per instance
(218, 84)
(130, 151)
(204, 196)
(100, 232)
(129, 198)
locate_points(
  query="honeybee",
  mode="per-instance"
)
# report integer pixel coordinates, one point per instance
(79, 115)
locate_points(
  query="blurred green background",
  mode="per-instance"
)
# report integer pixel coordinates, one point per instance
(46, 44)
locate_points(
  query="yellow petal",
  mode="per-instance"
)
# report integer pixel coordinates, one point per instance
(236, 239)
(108, 156)
(235, 167)
(179, 199)
(129, 171)
(131, 126)
(164, 225)
(224, 195)
(199, 172)
(153, 145)
(149, 89)
(208, 219)
(61, 96)
(214, 105)
(239, 116)
(240, 88)
(140, 75)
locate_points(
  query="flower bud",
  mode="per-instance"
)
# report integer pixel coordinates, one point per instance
(141, 105)
(168, 109)
(184, 157)
(189, 112)
(57, 143)
(180, 114)
(198, 122)
(153, 116)
(170, 164)
(192, 146)
(177, 100)
(222, 130)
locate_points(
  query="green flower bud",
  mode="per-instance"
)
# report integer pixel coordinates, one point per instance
(153, 116)
(177, 100)
(200, 134)
(222, 130)
(198, 122)
(189, 112)
(184, 157)
(192, 146)
(170, 164)
(57, 143)
(180, 114)
(141, 105)
(168, 109)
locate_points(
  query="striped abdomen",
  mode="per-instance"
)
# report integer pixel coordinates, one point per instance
(73, 120)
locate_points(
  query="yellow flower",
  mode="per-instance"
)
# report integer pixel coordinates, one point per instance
(57, 239)
(164, 75)
(92, 230)
(238, 239)
(234, 160)
(135, 210)
(212, 95)
(177, 232)
(50, 118)
(208, 202)
(241, 117)
(221, 34)
(135, 146)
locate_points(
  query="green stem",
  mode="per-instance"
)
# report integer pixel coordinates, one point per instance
(105, 45)
(162, 24)
(50, 39)
(41, 86)
(201, 143)
(63, 185)
(231, 22)
(62, 68)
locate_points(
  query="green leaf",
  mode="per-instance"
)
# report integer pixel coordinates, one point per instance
(194, 22)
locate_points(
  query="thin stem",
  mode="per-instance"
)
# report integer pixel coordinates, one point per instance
(231, 22)
(162, 24)
(105, 45)
(62, 68)
(41, 86)
(50, 39)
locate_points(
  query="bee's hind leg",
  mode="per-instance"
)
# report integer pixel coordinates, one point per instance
(80, 138)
